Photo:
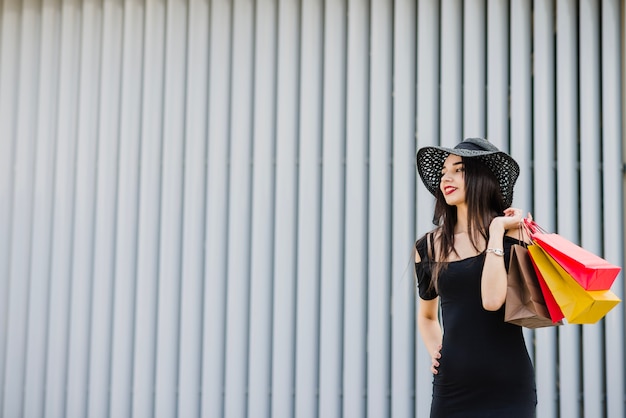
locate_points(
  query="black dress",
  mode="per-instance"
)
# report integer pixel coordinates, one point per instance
(485, 370)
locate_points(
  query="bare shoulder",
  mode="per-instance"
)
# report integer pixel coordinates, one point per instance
(418, 259)
(430, 237)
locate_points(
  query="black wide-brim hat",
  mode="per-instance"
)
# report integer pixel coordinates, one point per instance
(430, 162)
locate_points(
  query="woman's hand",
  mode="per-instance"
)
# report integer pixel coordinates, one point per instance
(435, 360)
(511, 220)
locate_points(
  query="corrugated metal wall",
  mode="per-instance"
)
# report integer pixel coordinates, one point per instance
(207, 207)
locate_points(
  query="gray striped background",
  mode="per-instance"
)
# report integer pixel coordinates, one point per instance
(207, 207)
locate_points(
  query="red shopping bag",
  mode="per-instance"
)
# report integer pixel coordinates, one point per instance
(589, 270)
(553, 308)
(579, 306)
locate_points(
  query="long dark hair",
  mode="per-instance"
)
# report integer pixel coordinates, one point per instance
(484, 202)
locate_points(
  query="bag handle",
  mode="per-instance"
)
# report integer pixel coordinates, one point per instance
(522, 228)
(527, 229)
(533, 227)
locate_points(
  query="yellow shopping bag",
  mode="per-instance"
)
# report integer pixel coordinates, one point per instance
(579, 306)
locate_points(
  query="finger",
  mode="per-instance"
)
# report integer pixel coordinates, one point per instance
(435, 367)
(513, 213)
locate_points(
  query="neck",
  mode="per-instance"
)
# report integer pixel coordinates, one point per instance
(462, 222)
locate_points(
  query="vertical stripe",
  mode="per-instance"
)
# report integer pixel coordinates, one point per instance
(83, 271)
(474, 68)
(105, 210)
(22, 198)
(262, 249)
(148, 233)
(57, 364)
(332, 211)
(285, 210)
(590, 190)
(309, 208)
(379, 225)
(215, 276)
(34, 384)
(84, 208)
(568, 210)
(171, 204)
(498, 70)
(239, 202)
(356, 211)
(9, 70)
(544, 181)
(451, 70)
(403, 211)
(428, 132)
(126, 235)
(613, 243)
(521, 117)
(193, 232)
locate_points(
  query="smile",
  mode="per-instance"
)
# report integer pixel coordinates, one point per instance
(449, 189)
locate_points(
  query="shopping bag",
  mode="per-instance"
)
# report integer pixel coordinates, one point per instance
(525, 305)
(589, 270)
(553, 308)
(579, 306)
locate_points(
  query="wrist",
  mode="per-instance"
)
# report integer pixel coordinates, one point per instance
(497, 251)
(496, 228)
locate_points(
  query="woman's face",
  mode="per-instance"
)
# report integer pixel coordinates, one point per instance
(452, 183)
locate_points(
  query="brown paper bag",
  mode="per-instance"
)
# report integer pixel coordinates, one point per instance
(525, 305)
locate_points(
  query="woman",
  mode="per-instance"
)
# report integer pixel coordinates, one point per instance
(480, 364)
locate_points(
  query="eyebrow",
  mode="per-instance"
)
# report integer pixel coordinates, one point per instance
(457, 163)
